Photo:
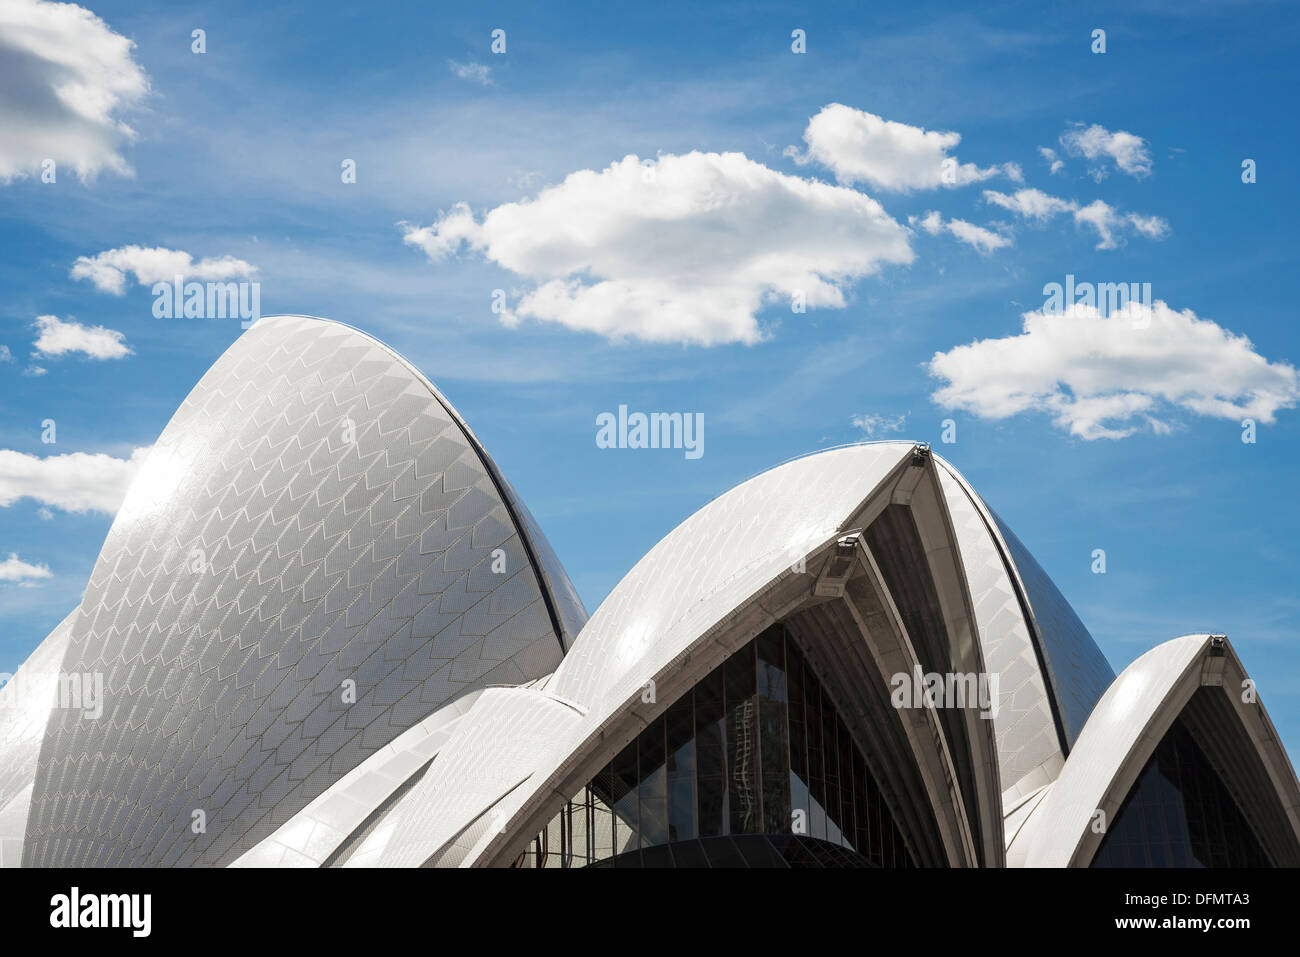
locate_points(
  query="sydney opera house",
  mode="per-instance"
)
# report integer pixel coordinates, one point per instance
(329, 634)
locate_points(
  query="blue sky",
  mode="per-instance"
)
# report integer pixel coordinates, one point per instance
(234, 155)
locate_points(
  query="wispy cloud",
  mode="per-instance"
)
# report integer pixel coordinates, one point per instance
(873, 424)
(473, 71)
(1105, 220)
(1128, 152)
(983, 240)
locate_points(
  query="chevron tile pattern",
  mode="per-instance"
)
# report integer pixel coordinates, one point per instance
(312, 516)
(26, 701)
(1079, 672)
(1024, 728)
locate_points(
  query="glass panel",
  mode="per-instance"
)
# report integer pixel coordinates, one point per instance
(742, 741)
(711, 764)
(689, 854)
(846, 821)
(719, 762)
(654, 785)
(862, 810)
(799, 797)
(830, 750)
(1179, 814)
(774, 750)
(681, 770)
(624, 782)
(723, 853)
(816, 756)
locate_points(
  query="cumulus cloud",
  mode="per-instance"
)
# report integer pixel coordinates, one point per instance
(873, 424)
(472, 71)
(860, 147)
(67, 79)
(14, 569)
(5, 354)
(77, 482)
(983, 240)
(680, 249)
(1129, 152)
(1105, 376)
(1105, 220)
(56, 338)
(110, 269)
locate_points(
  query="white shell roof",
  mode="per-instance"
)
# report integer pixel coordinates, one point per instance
(250, 471)
(694, 578)
(712, 562)
(1029, 747)
(1121, 719)
(313, 513)
(25, 704)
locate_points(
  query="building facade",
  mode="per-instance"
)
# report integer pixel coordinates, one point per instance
(330, 635)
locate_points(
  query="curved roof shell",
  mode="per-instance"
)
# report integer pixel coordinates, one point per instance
(315, 514)
(1064, 823)
(26, 701)
(330, 632)
(687, 584)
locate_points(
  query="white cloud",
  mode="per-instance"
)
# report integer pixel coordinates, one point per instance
(983, 240)
(1108, 223)
(931, 221)
(472, 71)
(67, 77)
(14, 569)
(1130, 153)
(1103, 377)
(109, 270)
(1054, 163)
(1105, 220)
(680, 249)
(1101, 217)
(77, 482)
(5, 354)
(35, 371)
(1152, 227)
(873, 424)
(860, 147)
(1031, 203)
(56, 337)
